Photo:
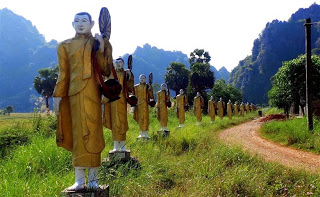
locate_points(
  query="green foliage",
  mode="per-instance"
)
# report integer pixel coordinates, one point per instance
(289, 83)
(201, 77)
(225, 91)
(199, 56)
(44, 83)
(295, 133)
(9, 109)
(177, 76)
(191, 161)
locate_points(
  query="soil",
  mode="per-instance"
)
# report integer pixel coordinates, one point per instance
(247, 135)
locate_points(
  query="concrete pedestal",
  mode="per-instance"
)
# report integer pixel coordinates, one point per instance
(164, 133)
(103, 191)
(143, 139)
(119, 155)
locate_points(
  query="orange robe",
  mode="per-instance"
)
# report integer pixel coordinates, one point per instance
(79, 121)
(181, 102)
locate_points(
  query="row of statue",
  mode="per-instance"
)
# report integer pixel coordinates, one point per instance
(83, 62)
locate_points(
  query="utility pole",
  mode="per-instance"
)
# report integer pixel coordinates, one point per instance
(308, 74)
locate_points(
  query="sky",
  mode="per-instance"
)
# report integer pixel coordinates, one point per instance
(226, 29)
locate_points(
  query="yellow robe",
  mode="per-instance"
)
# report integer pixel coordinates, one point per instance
(236, 109)
(247, 109)
(229, 110)
(181, 102)
(79, 121)
(197, 108)
(242, 109)
(115, 113)
(141, 113)
(162, 108)
(220, 109)
(211, 109)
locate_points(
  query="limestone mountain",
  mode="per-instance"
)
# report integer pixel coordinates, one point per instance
(23, 51)
(279, 41)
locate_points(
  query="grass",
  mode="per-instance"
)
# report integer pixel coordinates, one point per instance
(294, 132)
(192, 161)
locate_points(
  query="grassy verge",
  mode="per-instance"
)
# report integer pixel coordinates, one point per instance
(191, 162)
(294, 132)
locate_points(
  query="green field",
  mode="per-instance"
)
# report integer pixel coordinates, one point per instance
(191, 162)
(294, 132)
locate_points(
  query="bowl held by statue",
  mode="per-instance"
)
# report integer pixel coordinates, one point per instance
(112, 89)
(132, 100)
(152, 103)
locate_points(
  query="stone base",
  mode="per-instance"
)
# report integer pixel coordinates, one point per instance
(143, 139)
(164, 133)
(119, 155)
(102, 191)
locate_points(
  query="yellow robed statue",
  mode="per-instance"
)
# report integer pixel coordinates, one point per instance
(221, 106)
(163, 97)
(198, 103)
(212, 109)
(236, 108)
(144, 93)
(247, 108)
(115, 113)
(242, 109)
(229, 109)
(78, 99)
(181, 104)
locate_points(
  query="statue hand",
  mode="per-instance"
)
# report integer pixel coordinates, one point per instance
(56, 104)
(100, 39)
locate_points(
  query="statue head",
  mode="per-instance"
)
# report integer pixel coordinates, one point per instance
(163, 86)
(181, 91)
(229, 101)
(82, 23)
(118, 64)
(221, 99)
(142, 78)
(211, 98)
(198, 94)
(236, 102)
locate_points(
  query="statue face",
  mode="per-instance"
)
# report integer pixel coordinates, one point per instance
(142, 79)
(82, 24)
(118, 64)
(211, 97)
(163, 86)
(198, 94)
(220, 99)
(181, 91)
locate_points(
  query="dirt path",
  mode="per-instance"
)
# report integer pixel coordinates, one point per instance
(249, 138)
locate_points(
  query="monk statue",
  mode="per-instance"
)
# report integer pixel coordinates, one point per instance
(163, 97)
(144, 94)
(78, 99)
(247, 107)
(115, 113)
(212, 109)
(229, 109)
(198, 103)
(182, 102)
(236, 108)
(220, 106)
(242, 109)
(251, 107)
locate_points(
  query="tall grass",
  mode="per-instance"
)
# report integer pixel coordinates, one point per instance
(192, 161)
(294, 132)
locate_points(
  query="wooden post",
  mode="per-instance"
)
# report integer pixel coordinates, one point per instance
(308, 74)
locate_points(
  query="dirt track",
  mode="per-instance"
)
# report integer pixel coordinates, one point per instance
(248, 137)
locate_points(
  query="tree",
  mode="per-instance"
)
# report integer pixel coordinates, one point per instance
(177, 77)
(225, 91)
(200, 56)
(289, 83)
(201, 77)
(9, 109)
(44, 83)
